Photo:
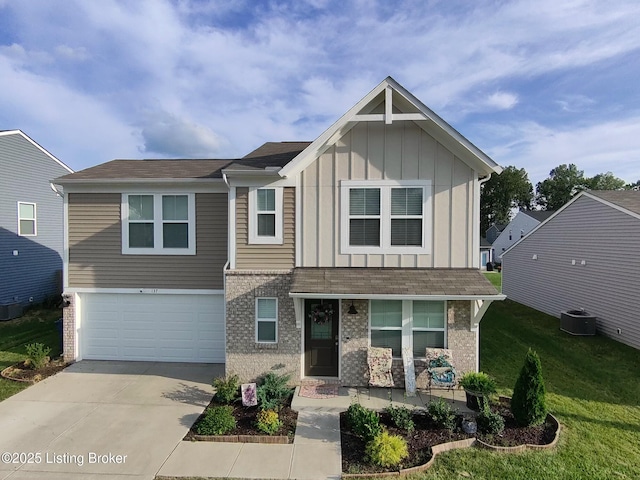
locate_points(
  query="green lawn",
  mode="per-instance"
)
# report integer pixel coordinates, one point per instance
(495, 278)
(593, 387)
(36, 325)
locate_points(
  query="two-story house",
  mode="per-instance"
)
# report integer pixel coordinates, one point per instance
(31, 224)
(294, 259)
(520, 225)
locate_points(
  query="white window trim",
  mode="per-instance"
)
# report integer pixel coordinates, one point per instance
(385, 187)
(274, 320)
(407, 326)
(34, 219)
(157, 226)
(254, 238)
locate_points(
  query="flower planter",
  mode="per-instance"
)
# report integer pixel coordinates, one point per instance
(474, 400)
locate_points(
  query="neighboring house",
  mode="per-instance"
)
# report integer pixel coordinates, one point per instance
(569, 262)
(485, 253)
(493, 232)
(294, 259)
(520, 225)
(31, 223)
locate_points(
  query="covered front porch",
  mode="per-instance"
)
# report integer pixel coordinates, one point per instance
(380, 398)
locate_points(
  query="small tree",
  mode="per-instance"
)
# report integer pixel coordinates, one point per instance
(528, 403)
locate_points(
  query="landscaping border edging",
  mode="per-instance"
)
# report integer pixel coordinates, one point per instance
(7, 377)
(466, 443)
(527, 446)
(264, 439)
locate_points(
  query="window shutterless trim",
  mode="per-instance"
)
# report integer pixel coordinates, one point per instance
(272, 320)
(34, 220)
(158, 223)
(407, 326)
(385, 187)
(252, 199)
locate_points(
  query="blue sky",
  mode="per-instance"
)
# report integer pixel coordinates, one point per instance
(533, 84)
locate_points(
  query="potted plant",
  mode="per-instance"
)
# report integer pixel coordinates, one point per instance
(477, 386)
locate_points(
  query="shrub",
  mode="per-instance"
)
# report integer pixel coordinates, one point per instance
(273, 391)
(442, 414)
(363, 422)
(38, 355)
(478, 382)
(268, 422)
(488, 421)
(528, 403)
(217, 420)
(402, 417)
(386, 450)
(226, 388)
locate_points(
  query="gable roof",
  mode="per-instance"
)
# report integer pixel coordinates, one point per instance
(393, 94)
(626, 201)
(539, 215)
(272, 154)
(4, 133)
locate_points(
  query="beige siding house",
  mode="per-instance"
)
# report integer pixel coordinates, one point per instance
(570, 262)
(296, 258)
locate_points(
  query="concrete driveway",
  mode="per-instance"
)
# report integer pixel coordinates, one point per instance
(102, 420)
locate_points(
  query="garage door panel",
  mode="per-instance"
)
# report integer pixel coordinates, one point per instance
(178, 328)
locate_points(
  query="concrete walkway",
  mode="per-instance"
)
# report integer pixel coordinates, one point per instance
(315, 452)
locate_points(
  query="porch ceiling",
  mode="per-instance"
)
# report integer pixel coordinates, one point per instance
(363, 282)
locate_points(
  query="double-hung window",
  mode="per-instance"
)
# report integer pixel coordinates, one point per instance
(382, 216)
(158, 224)
(413, 324)
(266, 320)
(265, 215)
(27, 219)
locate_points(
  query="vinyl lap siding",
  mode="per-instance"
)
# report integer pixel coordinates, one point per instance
(95, 253)
(36, 271)
(607, 286)
(265, 257)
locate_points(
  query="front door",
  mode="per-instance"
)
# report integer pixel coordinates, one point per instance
(321, 338)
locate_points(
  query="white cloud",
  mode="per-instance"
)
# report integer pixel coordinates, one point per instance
(501, 100)
(70, 53)
(169, 136)
(608, 146)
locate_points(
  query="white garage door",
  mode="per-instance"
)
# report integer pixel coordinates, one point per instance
(153, 327)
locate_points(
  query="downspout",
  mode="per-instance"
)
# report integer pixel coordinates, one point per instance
(474, 305)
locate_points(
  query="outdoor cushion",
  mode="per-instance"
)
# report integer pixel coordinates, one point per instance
(380, 361)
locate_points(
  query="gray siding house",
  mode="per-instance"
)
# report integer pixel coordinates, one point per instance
(587, 255)
(295, 258)
(31, 223)
(523, 222)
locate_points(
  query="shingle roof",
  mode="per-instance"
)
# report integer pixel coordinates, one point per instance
(629, 199)
(271, 154)
(391, 281)
(484, 242)
(539, 215)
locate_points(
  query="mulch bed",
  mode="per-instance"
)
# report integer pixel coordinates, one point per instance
(426, 435)
(513, 435)
(246, 421)
(22, 372)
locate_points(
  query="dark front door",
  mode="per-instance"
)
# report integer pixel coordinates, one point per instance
(321, 337)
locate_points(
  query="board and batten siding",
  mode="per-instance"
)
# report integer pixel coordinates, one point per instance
(95, 250)
(265, 257)
(400, 151)
(606, 286)
(36, 271)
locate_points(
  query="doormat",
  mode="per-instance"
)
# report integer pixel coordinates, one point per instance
(319, 391)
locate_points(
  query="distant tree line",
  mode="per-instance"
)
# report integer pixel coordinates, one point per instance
(512, 189)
